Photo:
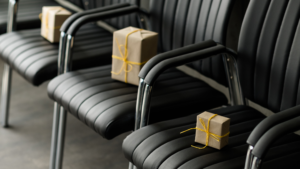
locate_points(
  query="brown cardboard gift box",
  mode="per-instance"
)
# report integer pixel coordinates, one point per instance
(52, 19)
(132, 48)
(217, 130)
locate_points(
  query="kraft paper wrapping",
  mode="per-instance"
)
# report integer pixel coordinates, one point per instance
(52, 19)
(219, 125)
(141, 46)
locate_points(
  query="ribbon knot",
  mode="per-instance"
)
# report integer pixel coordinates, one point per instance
(206, 130)
(124, 57)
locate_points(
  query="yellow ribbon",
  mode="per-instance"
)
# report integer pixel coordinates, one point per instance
(46, 21)
(206, 130)
(124, 57)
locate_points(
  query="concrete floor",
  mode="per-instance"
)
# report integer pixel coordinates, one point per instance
(26, 143)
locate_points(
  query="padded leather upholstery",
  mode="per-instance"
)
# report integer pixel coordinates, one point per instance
(28, 13)
(269, 63)
(35, 58)
(112, 112)
(108, 106)
(184, 22)
(161, 146)
(268, 51)
(117, 22)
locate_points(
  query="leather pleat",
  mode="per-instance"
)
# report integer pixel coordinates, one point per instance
(105, 104)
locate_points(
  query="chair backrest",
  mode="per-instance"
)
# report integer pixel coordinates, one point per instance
(184, 22)
(118, 22)
(78, 3)
(269, 53)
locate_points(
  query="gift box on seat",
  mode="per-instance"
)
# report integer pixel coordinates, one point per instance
(132, 48)
(212, 130)
(52, 18)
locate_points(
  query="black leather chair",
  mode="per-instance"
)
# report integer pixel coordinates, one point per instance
(35, 59)
(108, 106)
(268, 62)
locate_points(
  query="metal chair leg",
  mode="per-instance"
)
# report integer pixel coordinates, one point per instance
(54, 138)
(61, 138)
(5, 94)
(6, 79)
(56, 114)
(138, 110)
(130, 165)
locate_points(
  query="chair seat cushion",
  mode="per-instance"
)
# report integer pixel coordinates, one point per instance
(108, 106)
(28, 13)
(162, 146)
(35, 58)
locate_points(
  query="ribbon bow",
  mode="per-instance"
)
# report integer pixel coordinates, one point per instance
(206, 130)
(124, 57)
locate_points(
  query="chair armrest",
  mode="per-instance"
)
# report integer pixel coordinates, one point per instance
(270, 122)
(75, 16)
(273, 134)
(180, 60)
(99, 16)
(173, 53)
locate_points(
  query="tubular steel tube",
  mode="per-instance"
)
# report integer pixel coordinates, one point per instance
(139, 101)
(146, 106)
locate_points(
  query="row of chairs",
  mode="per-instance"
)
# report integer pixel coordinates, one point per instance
(193, 72)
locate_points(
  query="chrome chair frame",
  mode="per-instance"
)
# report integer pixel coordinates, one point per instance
(59, 114)
(256, 163)
(144, 91)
